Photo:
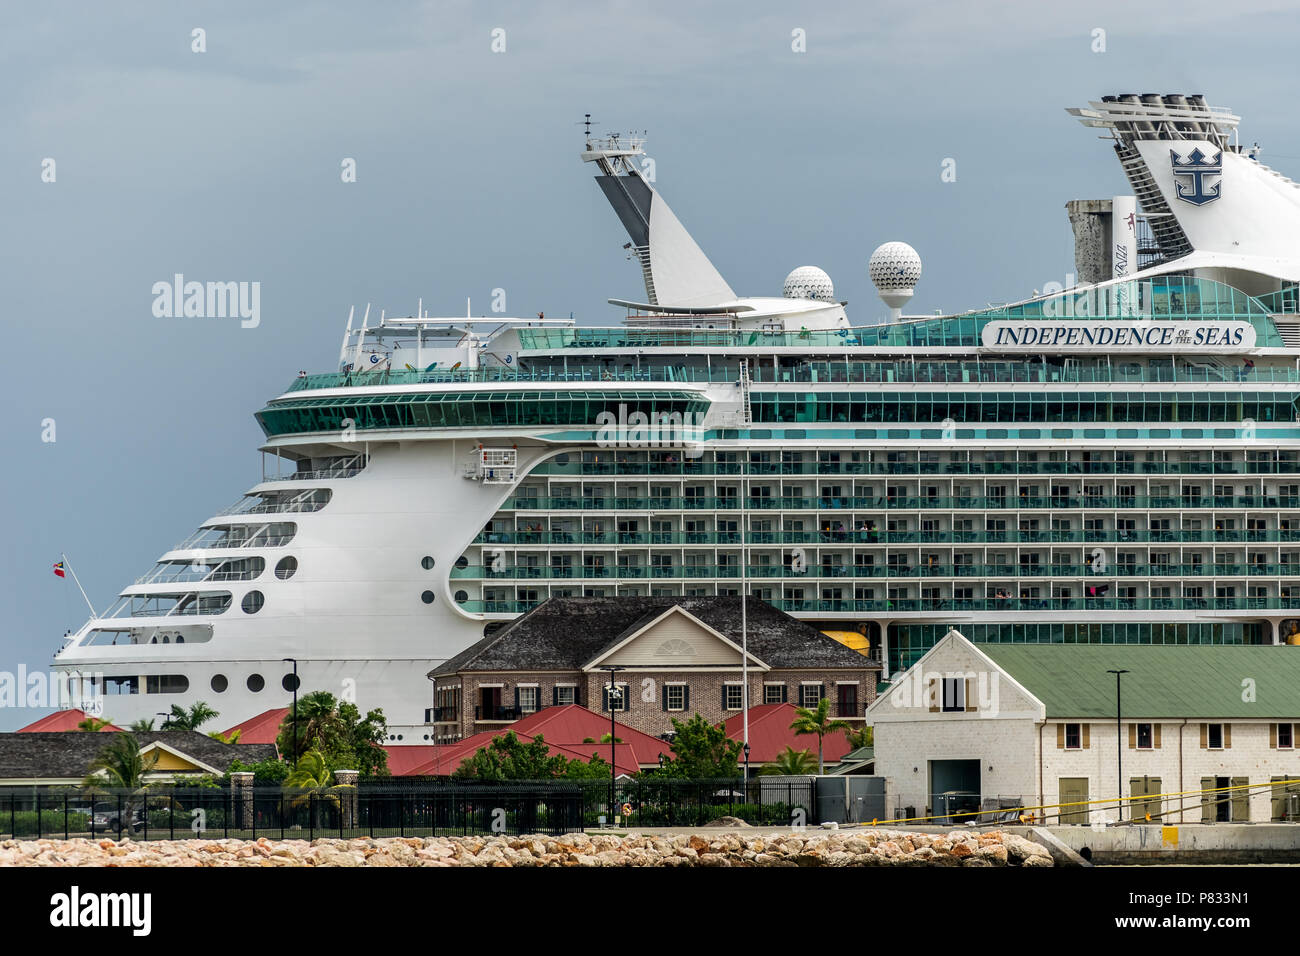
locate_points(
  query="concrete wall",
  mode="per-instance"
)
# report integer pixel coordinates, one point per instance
(1209, 843)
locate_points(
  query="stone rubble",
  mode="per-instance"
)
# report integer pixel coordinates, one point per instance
(849, 847)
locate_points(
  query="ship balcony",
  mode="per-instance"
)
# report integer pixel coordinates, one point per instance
(1287, 465)
(181, 603)
(903, 503)
(252, 535)
(281, 502)
(892, 571)
(1261, 605)
(328, 469)
(192, 572)
(851, 537)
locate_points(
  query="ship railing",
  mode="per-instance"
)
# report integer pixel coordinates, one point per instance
(897, 605)
(903, 372)
(630, 571)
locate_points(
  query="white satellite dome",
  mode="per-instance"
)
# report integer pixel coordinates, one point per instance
(895, 268)
(809, 282)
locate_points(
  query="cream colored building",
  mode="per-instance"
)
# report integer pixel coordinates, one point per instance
(976, 727)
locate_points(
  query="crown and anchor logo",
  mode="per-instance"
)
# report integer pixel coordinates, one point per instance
(1197, 169)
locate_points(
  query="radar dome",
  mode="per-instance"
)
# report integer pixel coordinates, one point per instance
(895, 268)
(809, 282)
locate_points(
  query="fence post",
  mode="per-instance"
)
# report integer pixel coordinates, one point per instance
(311, 815)
(241, 801)
(65, 816)
(38, 814)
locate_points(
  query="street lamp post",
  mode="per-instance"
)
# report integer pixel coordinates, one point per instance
(1119, 751)
(613, 694)
(294, 661)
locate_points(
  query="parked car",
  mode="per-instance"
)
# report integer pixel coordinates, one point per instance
(107, 816)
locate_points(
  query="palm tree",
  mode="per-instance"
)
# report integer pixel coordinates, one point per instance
(121, 766)
(790, 762)
(192, 719)
(862, 737)
(312, 778)
(817, 721)
(93, 725)
(141, 726)
(229, 738)
(316, 726)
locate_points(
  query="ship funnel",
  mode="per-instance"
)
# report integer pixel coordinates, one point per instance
(675, 270)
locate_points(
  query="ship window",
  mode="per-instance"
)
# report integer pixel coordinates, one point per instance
(166, 684)
(462, 562)
(290, 682)
(461, 597)
(219, 683)
(286, 568)
(255, 683)
(426, 562)
(252, 602)
(427, 597)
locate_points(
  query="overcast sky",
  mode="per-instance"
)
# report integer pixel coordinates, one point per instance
(225, 166)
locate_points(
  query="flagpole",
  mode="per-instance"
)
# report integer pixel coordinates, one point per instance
(67, 564)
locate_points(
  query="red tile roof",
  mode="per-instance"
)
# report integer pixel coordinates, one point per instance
(62, 721)
(770, 733)
(563, 730)
(261, 729)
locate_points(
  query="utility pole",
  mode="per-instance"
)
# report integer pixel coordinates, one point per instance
(1119, 750)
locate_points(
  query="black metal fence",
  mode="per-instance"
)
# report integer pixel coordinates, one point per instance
(762, 801)
(399, 807)
(221, 813)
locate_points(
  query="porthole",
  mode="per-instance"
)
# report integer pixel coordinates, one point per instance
(461, 597)
(426, 562)
(290, 682)
(427, 597)
(255, 683)
(462, 562)
(252, 602)
(219, 683)
(286, 568)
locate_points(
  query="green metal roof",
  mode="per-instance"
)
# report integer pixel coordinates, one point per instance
(1164, 681)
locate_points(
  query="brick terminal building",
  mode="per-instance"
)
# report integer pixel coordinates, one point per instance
(680, 656)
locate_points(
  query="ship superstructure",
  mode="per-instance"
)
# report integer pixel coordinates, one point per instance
(1114, 462)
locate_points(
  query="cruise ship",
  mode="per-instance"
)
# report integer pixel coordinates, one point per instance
(1117, 461)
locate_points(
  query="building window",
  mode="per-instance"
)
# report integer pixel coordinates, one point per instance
(1145, 737)
(954, 694)
(1073, 737)
(615, 696)
(774, 693)
(1214, 737)
(810, 695)
(527, 699)
(1285, 736)
(565, 696)
(676, 696)
(733, 696)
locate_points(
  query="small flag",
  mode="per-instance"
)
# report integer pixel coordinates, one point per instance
(58, 569)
